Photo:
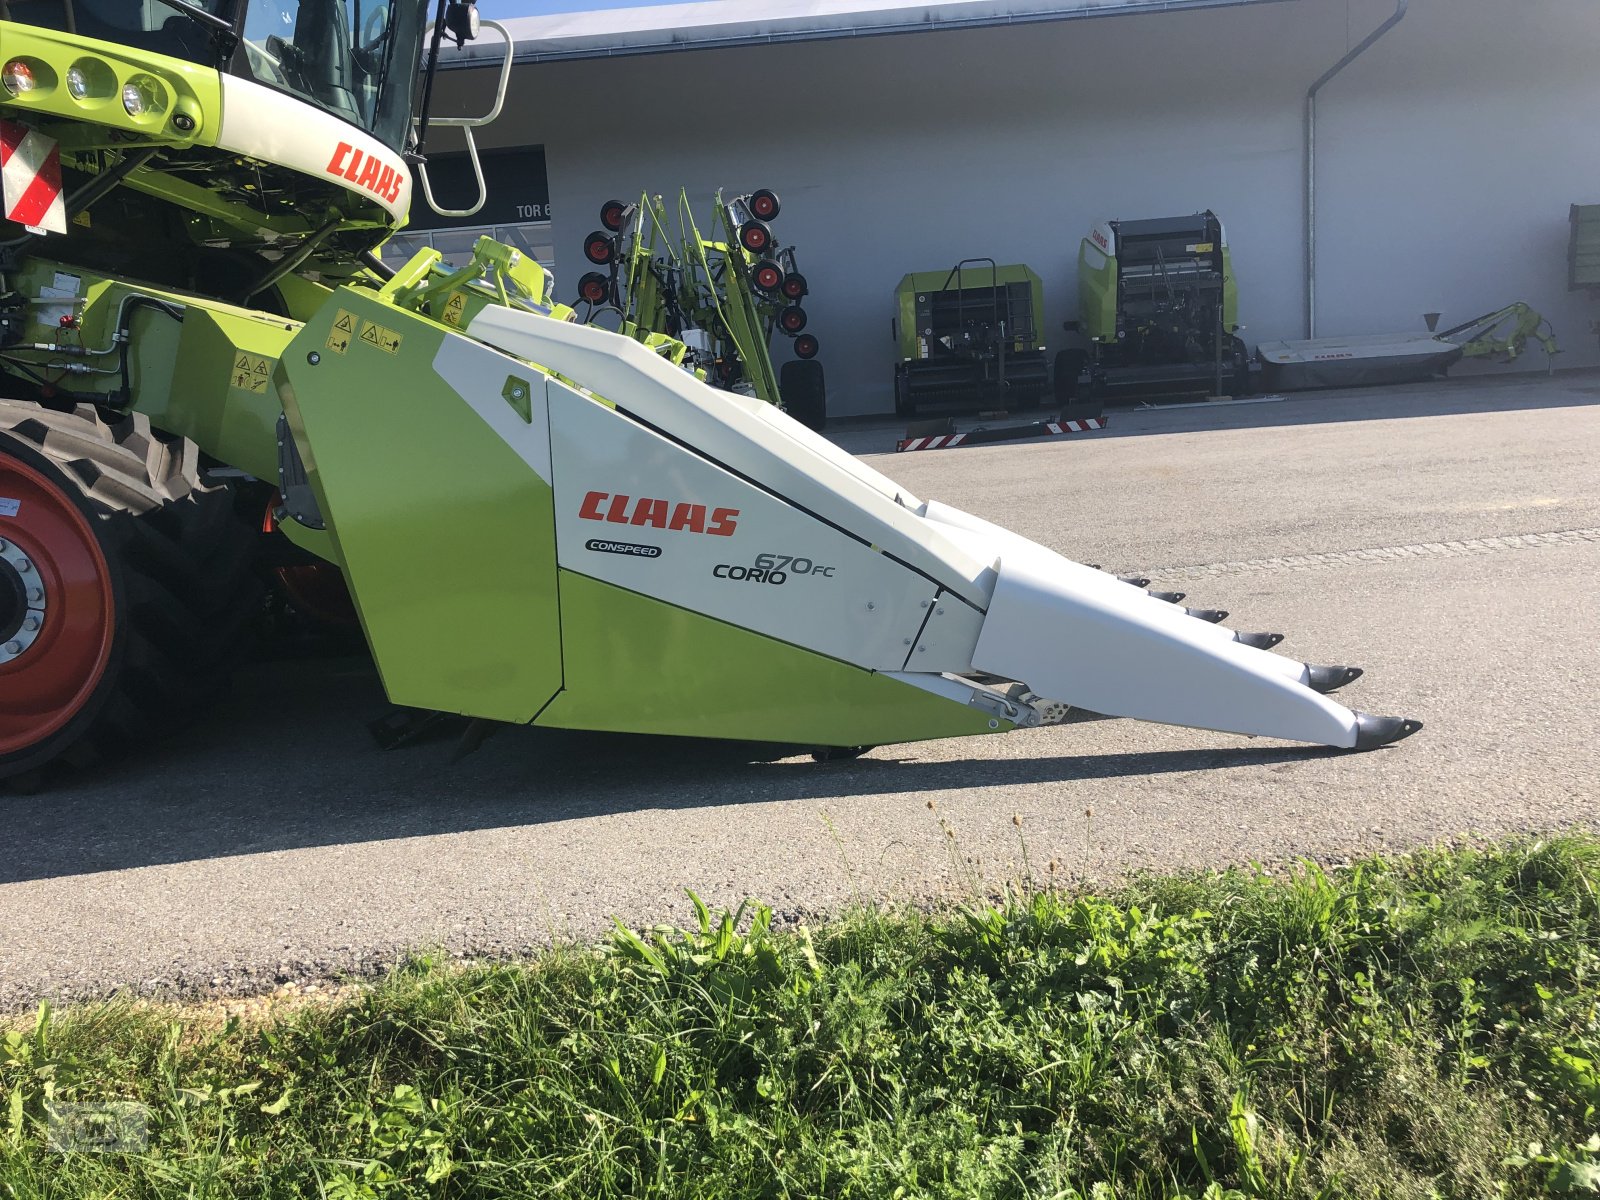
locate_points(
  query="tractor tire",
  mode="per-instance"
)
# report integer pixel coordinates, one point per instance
(805, 393)
(127, 587)
(1068, 367)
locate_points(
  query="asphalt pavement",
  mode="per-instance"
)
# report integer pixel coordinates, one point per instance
(1446, 537)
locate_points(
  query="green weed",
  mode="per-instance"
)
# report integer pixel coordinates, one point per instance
(1421, 1026)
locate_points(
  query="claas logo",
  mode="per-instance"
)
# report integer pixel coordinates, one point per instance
(658, 514)
(366, 171)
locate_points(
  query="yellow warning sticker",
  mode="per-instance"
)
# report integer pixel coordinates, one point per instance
(381, 336)
(454, 308)
(1201, 248)
(343, 331)
(251, 372)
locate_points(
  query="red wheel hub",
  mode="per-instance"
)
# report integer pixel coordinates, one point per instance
(66, 585)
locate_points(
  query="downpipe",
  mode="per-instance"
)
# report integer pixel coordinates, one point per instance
(1311, 157)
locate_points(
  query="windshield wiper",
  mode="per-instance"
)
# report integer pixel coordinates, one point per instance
(223, 34)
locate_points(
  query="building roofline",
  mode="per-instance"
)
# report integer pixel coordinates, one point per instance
(719, 24)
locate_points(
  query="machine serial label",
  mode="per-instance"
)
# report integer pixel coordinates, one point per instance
(251, 373)
(344, 329)
(381, 336)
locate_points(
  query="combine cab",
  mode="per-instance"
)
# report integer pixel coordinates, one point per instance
(969, 338)
(539, 521)
(1158, 304)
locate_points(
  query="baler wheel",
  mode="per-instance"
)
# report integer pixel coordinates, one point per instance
(598, 248)
(611, 215)
(792, 319)
(794, 286)
(138, 580)
(806, 346)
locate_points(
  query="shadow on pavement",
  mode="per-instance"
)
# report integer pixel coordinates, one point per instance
(310, 777)
(1436, 398)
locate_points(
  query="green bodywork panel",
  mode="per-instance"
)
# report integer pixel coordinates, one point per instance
(922, 282)
(447, 535)
(206, 377)
(637, 665)
(222, 395)
(1097, 293)
(178, 87)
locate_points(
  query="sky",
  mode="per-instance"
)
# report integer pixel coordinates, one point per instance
(533, 8)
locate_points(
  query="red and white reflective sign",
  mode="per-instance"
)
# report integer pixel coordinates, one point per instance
(30, 165)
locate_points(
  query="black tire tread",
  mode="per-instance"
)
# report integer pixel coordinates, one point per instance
(181, 554)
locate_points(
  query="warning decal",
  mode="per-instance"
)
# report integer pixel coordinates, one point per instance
(343, 331)
(30, 167)
(251, 372)
(454, 307)
(380, 336)
(9, 507)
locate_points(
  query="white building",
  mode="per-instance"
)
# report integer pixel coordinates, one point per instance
(905, 136)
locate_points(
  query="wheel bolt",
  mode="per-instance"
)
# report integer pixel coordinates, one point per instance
(31, 624)
(36, 595)
(13, 647)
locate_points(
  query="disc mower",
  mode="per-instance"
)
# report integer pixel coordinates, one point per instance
(540, 521)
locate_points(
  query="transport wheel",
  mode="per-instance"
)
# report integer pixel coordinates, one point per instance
(597, 248)
(127, 586)
(755, 237)
(767, 276)
(611, 214)
(805, 393)
(806, 346)
(794, 286)
(594, 287)
(764, 203)
(792, 319)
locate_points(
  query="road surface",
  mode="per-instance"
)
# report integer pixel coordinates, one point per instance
(1444, 537)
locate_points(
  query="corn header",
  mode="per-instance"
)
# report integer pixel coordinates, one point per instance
(539, 521)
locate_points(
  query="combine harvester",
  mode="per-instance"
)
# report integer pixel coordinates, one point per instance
(539, 521)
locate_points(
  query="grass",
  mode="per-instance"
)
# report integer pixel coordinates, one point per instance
(1419, 1026)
